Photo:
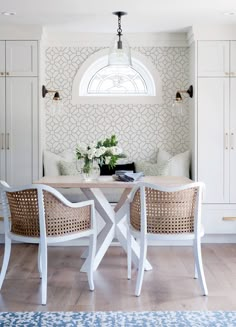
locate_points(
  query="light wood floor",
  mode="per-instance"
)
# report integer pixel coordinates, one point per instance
(169, 286)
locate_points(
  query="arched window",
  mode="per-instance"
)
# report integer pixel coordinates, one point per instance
(97, 82)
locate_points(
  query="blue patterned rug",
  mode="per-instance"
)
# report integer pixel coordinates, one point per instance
(119, 319)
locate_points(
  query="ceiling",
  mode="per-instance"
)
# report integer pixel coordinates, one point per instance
(95, 15)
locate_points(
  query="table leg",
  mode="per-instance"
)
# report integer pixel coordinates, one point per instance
(84, 255)
(103, 242)
(123, 198)
(107, 234)
(121, 234)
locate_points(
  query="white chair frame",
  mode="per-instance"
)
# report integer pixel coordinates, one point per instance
(43, 240)
(144, 236)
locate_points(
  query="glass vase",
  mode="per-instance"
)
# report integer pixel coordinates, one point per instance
(91, 170)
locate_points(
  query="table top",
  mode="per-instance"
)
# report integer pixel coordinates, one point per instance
(108, 182)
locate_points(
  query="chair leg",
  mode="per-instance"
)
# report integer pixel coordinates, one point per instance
(92, 250)
(199, 266)
(129, 253)
(195, 271)
(39, 261)
(44, 261)
(7, 252)
(142, 259)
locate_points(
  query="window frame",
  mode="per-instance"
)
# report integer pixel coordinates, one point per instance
(96, 62)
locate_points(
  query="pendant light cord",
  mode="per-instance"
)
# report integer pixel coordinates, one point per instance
(119, 30)
(119, 33)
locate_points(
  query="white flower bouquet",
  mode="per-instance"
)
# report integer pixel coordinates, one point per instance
(104, 152)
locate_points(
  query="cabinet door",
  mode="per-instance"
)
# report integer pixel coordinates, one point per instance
(21, 58)
(21, 130)
(213, 138)
(2, 128)
(2, 58)
(232, 140)
(213, 58)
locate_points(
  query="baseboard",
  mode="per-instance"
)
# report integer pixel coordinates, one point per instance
(210, 238)
(219, 238)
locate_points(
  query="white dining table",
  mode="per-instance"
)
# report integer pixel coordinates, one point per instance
(113, 216)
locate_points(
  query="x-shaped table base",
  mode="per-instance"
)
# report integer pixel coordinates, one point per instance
(115, 226)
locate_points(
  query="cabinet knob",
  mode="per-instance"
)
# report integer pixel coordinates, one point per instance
(2, 74)
(226, 73)
(7, 73)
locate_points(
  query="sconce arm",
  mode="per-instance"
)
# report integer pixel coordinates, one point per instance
(189, 91)
(45, 91)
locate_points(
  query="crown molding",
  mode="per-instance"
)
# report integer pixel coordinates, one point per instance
(212, 32)
(190, 36)
(21, 32)
(56, 38)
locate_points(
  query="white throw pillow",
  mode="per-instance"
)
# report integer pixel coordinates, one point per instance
(51, 160)
(163, 156)
(68, 168)
(68, 155)
(150, 169)
(179, 165)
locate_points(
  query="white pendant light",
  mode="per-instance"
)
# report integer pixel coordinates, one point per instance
(119, 52)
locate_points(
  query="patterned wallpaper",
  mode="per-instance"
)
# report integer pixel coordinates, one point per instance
(140, 129)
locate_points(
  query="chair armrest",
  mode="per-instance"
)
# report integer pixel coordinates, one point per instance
(65, 201)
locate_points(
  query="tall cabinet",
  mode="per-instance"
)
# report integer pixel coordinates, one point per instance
(19, 132)
(216, 132)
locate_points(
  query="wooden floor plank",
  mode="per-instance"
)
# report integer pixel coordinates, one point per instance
(169, 286)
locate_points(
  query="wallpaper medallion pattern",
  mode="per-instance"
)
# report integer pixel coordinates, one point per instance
(140, 129)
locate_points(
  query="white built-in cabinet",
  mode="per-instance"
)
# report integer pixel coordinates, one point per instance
(213, 139)
(19, 132)
(216, 133)
(213, 58)
(217, 119)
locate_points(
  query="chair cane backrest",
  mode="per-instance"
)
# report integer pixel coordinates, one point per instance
(170, 212)
(59, 218)
(23, 206)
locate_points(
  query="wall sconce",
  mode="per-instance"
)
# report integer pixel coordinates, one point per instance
(178, 106)
(45, 91)
(56, 105)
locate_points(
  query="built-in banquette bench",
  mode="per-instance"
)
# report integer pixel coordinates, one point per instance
(64, 163)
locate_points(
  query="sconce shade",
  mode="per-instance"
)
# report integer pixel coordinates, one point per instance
(56, 107)
(178, 106)
(119, 51)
